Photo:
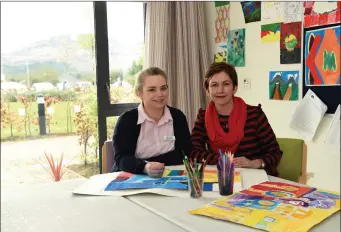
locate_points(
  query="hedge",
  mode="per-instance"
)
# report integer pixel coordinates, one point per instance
(65, 95)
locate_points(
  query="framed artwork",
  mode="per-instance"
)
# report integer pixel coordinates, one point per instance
(321, 13)
(321, 65)
(290, 43)
(236, 47)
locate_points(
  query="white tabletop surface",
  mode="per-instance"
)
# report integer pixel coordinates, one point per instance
(52, 207)
(176, 209)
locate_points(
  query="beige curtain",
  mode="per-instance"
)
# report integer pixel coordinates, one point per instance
(176, 42)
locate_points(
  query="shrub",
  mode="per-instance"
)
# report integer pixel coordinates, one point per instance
(65, 95)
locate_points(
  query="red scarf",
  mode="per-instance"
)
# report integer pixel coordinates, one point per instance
(219, 139)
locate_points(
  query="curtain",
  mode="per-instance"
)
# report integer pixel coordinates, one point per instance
(176, 42)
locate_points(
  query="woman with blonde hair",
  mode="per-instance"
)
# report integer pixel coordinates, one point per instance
(153, 135)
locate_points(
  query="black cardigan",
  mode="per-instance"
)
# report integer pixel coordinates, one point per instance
(125, 138)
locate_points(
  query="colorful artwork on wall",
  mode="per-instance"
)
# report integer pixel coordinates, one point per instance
(290, 43)
(274, 206)
(252, 11)
(293, 12)
(222, 21)
(236, 47)
(272, 11)
(322, 56)
(270, 32)
(220, 54)
(283, 85)
(321, 13)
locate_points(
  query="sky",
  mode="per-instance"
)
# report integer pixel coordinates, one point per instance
(24, 23)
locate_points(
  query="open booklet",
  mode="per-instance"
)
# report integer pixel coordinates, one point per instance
(173, 183)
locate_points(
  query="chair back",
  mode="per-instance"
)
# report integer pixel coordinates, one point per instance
(107, 156)
(293, 164)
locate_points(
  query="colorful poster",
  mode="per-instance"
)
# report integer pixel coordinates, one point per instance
(290, 43)
(321, 13)
(222, 21)
(270, 32)
(171, 179)
(274, 206)
(272, 11)
(221, 53)
(283, 85)
(322, 56)
(293, 12)
(236, 47)
(286, 12)
(252, 11)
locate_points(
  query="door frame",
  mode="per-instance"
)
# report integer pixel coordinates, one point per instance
(105, 108)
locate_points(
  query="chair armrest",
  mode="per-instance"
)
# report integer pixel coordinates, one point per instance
(303, 179)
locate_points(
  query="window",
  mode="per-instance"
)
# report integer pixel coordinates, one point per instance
(126, 48)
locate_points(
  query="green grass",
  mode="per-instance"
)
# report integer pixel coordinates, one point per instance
(58, 123)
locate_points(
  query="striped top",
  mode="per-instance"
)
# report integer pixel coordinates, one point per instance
(259, 140)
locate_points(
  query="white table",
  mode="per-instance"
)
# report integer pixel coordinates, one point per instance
(52, 207)
(176, 211)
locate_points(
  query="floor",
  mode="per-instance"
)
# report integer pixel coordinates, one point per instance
(21, 162)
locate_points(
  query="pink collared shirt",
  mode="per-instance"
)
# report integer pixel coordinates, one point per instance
(154, 139)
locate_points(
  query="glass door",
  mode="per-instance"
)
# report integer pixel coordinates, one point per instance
(119, 36)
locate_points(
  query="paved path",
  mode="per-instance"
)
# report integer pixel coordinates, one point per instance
(19, 159)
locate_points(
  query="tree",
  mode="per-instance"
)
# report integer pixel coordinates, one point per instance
(115, 74)
(87, 42)
(9, 118)
(66, 52)
(136, 66)
(45, 73)
(27, 102)
(87, 77)
(86, 121)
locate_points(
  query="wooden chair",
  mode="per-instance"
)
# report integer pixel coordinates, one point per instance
(107, 156)
(293, 164)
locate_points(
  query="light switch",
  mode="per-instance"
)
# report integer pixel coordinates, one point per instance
(247, 83)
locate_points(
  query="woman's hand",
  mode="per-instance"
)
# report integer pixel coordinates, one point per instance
(154, 169)
(242, 162)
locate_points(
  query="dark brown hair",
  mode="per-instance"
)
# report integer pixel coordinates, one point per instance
(152, 71)
(221, 67)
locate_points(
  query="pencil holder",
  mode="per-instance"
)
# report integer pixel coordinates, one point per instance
(225, 181)
(195, 186)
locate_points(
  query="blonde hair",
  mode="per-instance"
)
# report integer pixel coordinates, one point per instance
(152, 71)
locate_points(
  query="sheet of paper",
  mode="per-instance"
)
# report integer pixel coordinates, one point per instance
(97, 184)
(272, 11)
(308, 115)
(293, 12)
(252, 177)
(333, 134)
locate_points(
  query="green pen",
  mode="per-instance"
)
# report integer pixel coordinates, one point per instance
(196, 167)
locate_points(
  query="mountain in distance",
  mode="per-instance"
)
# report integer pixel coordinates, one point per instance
(60, 53)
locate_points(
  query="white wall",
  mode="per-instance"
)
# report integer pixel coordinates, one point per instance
(323, 159)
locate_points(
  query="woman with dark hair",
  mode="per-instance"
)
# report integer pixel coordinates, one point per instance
(229, 124)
